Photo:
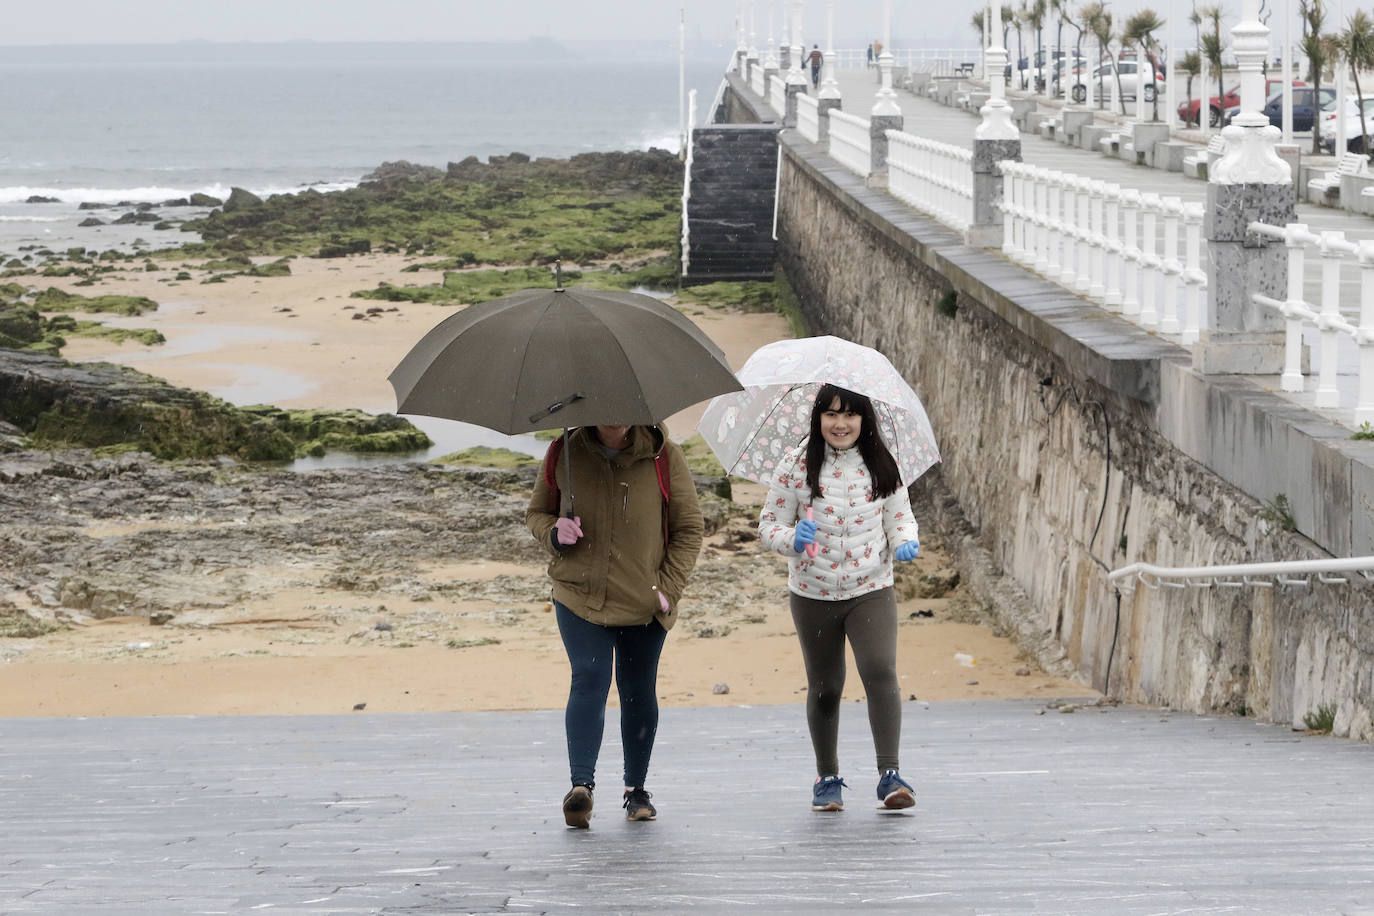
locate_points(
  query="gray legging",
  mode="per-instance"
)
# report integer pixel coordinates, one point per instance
(870, 622)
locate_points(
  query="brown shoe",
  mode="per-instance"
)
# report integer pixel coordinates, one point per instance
(577, 806)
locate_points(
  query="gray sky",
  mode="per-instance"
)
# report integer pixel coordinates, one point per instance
(158, 21)
(928, 23)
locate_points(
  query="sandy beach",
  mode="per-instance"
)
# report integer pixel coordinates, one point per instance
(290, 643)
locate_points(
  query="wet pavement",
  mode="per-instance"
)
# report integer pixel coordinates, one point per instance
(1021, 809)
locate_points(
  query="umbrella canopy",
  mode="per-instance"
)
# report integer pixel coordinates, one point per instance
(545, 358)
(755, 431)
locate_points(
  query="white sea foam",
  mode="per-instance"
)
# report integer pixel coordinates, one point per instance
(31, 219)
(658, 140)
(151, 194)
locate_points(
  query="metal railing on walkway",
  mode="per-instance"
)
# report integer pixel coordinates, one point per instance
(1104, 241)
(1335, 251)
(850, 143)
(687, 180)
(932, 176)
(1338, 571)
(937, 61)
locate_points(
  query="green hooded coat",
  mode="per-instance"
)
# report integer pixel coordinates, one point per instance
(613, 574)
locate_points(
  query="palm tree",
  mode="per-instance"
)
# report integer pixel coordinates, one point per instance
(1140, 29)
(1069, 71)
(977, 22)
(1021, 20)
(1035, 16)
(1317, 48)
(1008, 15)
(1101, 26)
(1191, 64)
(1357, 41)
(1212, 47)
(1057, 7)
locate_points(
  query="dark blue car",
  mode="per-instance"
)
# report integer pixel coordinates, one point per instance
(1304, 109)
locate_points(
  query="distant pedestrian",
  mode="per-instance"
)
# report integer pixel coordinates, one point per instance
(815, 58)
(870, 56)
(619, 568)
(840, 580)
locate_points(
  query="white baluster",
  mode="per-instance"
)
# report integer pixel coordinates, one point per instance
(1149, 261)
(1193, 275)
(1098, 287)
(1083, 229)
(1295, 240)
(1130, 284)
(1327, 394)
(1068, 214)
(1042, 225)
(1364, 335)
(1115, 262)
(1053, 186)
(1009, 212)
(1172, 267)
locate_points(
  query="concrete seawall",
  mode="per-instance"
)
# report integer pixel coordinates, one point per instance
(1031, 389)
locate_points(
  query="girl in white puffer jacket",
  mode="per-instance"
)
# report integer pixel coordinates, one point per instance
(840, 580)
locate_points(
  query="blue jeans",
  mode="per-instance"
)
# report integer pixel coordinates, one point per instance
(593, 650)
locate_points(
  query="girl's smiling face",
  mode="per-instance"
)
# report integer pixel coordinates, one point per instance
(840, 428)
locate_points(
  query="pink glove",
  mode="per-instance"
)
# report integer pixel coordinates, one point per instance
(663, 603)
(569, 530)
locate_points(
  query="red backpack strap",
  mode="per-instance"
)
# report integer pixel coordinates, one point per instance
(551, 473)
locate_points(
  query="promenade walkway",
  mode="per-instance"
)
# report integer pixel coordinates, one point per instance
(927, 118)
(1022, 809)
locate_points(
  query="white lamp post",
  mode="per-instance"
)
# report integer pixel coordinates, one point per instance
(885, 102)
(1288, 74)
(830, 87)
(996, 113)
(795, 76)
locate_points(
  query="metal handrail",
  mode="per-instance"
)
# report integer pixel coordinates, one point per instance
(687, 180)
(1239, 575)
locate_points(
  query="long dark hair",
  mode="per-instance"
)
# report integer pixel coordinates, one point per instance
(881, 466)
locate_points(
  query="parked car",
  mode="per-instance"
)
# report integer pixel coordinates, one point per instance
(1356, 141)
(1132, 77)
(1218, 106)
(1305, 107)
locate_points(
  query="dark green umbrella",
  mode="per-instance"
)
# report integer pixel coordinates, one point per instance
(545, 358)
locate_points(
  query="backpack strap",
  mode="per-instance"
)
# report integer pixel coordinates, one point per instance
(665, 481)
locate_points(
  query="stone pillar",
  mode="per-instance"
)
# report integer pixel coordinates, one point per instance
(878, 126)
(823, 108)
(1249, 183)
(793, 90)
(995, 139)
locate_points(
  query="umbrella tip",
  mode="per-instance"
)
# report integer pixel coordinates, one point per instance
(558, 276)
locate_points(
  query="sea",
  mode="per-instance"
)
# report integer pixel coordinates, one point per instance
(108, 124)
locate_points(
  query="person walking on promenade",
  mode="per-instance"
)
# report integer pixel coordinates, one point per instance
(815, 58)
(621, 546)
(870, 56)
(840, 579)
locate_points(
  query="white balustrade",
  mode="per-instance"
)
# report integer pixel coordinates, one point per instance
(756, 79)
(1137, 254)
(777, 94)
(850, 144)
(934, 177)
(809, 117)
(936, 61)
(1335, 251)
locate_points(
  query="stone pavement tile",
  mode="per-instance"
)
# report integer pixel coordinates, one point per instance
(1019, 811)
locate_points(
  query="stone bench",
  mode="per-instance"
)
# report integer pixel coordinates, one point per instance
(1199, 163)
(1325, 189)
(1169, 155)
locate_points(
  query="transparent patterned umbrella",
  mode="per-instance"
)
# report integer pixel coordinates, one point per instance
(755, 431)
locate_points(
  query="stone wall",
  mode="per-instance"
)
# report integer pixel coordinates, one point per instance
(1055, 467)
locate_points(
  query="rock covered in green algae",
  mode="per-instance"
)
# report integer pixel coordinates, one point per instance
(316, 432)
(483, 457)
(53, 299)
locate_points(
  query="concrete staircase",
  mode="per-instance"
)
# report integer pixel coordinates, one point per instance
(730, 209)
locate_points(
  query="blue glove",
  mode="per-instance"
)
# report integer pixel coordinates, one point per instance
(908, 551)
(806, 534)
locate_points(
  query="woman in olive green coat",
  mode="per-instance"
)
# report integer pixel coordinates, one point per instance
(623, 537)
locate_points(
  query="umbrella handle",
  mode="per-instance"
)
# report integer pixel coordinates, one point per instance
(813, 548)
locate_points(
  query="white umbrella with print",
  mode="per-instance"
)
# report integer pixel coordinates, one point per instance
(756, 431)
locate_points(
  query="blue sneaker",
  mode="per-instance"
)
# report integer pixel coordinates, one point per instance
(825, 794)
(894, 791)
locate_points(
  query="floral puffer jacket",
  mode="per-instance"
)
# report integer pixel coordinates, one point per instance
(857, 536)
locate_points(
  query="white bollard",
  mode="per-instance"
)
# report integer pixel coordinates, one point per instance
(1329, 318)
(1112, 217)
(1193, 275)
(1172, 267)
(1150, 205)
(1364, 335)
(1130, 284)
(1295, 240)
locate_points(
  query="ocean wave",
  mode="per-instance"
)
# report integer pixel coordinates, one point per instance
(660, 140)
(154, 194)
(31, 219)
